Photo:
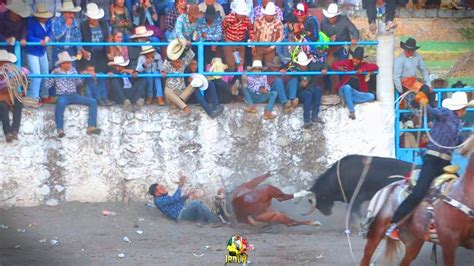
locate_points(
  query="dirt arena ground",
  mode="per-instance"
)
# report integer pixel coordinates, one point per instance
(86, 237)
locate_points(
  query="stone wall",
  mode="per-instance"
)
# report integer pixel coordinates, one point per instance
(154, 144)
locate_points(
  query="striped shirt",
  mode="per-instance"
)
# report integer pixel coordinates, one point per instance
(236, 29)
(268, 31)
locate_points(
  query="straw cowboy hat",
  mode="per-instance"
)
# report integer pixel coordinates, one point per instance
(176, 48)
(332, 11)
(199, 81)
(410, 45)
(141, 31)
(240, 8)
(7, 57)
(42, 11)
(303, 59)
(69, 7)
(270, 9)
(21, 9)
(256, 64)
(457, 101)
(118, 61)
(147, 50)
(64, 57)
(94, 12)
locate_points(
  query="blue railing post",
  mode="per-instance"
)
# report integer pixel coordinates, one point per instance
(397, 127)
(201, 69)
(18, 53)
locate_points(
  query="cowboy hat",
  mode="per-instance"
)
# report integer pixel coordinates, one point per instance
(21, 9)
(193, 10)
(459, 84)
(64, 57)
(69, 7)
(42, 11)
(7, 57)
(301, 9)
(410, 44)
(409, 124)
(199, 81)
(332, 11)
(147, 50)
(240, 8)
(456, 102)
(358, 53)
(303, 59)
(270, 9)
(94, 12)
(118, 61)
(141, 31)
(176, 48)
(257, 64)
(211, 12)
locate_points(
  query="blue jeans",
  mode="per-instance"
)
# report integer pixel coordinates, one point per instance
(65, 100)
(37, 65)
(197, 212)
(211, 94)
(352, 96)
(279, 87)
(96, 89)
(152, 85)
(253, 98)
(311, 98)
(292, 88)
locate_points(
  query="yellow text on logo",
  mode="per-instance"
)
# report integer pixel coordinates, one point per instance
(236, 259)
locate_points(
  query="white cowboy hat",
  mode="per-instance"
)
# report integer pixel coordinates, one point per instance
(141, 31)
(270, 9)
(118, 61)
(457, 101)
(409, 124)
(64, 57)
(176, 48)
(21, 9)
(69, 7)
(303, 59)
(42, 11)
(199, 81)
(147, 49)
(257, 64)
(7, 57)
(94, 12)
(240, 7)
(332, 11)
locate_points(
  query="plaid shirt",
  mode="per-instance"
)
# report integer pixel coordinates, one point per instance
(256, 82)
(64, 86)
(268, 31)
(257, 13)
(177, 84)
(62, 33)
(445, 130)
(213, 31)
(235, 29)
(171, 18)
(185, 29)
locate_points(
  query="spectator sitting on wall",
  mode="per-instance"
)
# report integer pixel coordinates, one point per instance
(95, 87)
(201, 89)
(225, 91)
(187, 25)
(66, 91)
(10, 131)
(13, 24)
(257, 90)
(354, 88)
(150, 62)
(127, 91)
(340, 29)
(39, 30)
(405, 71)
(120, 18)
(277, 84)
(174, 207)
(172, 16)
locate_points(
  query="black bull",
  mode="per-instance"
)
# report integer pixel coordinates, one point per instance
(327, 188)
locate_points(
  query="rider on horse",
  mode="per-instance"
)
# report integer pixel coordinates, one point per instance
(445, 133)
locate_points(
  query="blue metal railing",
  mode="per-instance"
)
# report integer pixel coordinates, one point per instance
(414, 154)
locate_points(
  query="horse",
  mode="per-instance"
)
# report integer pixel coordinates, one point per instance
(455, 227)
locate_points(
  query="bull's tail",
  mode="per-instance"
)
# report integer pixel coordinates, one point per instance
(376, 204)
(392, 249)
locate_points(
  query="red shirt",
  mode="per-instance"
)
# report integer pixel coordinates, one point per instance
(235, 29)
(348, 65)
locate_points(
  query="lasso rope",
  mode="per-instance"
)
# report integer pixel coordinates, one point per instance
(15, 78)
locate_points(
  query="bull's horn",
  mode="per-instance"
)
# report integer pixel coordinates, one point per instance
(312, 200)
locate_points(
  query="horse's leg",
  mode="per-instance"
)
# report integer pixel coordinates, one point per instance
(375, 235)
(253, 183)
(276, 193)
(276, 217)
(449, 253)
(412, 251)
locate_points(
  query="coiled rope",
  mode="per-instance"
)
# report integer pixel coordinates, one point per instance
(15, 78)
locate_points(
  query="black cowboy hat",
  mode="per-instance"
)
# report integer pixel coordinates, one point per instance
(211, 12)
(458, 84)
(410, 44)
(358, 53)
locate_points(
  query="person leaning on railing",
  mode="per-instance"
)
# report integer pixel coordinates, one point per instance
(211, 31)
(13, 24)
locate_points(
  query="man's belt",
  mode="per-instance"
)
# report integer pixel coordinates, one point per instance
(443, 156)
